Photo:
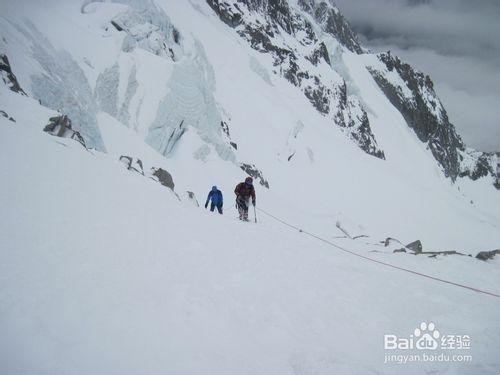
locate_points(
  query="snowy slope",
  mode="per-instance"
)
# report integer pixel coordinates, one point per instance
(104, 271)
(175, 99)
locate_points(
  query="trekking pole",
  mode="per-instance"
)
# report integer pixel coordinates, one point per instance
(255, 213)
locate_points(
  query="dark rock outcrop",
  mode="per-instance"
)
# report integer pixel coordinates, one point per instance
(415, 246)
(487, 255)
(433, 254)
(225, 129)
(8, 77)
(133, 164)
(6, 115)
(255, 173)
(60, 126)
(163, 177)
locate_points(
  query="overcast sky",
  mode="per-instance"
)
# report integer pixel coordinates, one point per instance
(456, 42)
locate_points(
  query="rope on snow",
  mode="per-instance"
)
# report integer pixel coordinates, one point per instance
(377, 261)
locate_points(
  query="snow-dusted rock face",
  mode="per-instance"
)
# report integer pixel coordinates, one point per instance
(8, 77)
(294, 37)
(476, 164)
(332, 22)
(412, 93)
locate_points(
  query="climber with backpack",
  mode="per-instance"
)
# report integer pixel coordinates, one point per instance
(244, 191)
(215, 196)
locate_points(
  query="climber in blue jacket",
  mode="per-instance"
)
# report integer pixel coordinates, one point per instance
(215, 195)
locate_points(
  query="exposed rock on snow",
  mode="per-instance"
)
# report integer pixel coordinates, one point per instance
(434, 254)
(8, 77)
(487, 255)
(415, 246)
(290, 148)
(6, 115)
(163, 177)
(192, 198)
(255, 173)
(227, 134)
(60, 126)
(399, 251)
(133, 164)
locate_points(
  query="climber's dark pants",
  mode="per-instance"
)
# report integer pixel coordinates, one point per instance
(219, 207)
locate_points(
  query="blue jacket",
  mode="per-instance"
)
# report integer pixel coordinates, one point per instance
(216, 196)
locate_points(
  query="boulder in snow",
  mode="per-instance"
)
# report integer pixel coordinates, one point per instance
(163, 177)
(60, 126)
(486, 255)
(415, 246)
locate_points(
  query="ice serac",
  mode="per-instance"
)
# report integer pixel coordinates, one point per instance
(294, 35)
(413, 94)
(148, 27)
(190, 104)
(62, 85)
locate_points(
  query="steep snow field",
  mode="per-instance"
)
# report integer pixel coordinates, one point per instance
(104, 271)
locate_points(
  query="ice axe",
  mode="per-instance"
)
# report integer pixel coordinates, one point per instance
(255, 212)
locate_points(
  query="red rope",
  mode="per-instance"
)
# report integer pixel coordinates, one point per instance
(378, 261)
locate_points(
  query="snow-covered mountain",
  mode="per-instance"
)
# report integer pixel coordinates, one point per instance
(118, 116)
